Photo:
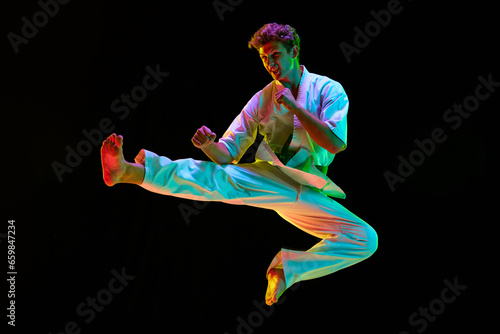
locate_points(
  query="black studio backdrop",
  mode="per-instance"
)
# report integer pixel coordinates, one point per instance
(423, 84)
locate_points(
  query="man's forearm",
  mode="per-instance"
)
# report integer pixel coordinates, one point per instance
(218, 153)
(319, 131)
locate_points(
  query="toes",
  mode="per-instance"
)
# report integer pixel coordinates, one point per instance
(119, 141)
(114, 139)
(271, 300)
(268, 300)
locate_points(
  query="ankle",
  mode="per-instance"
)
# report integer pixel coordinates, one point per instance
(134, 173)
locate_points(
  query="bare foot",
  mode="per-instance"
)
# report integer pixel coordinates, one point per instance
(275, 285)
(113, 163)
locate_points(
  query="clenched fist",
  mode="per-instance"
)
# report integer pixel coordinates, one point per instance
(203, 137)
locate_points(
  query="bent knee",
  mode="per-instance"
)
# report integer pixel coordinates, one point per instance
(371, 243)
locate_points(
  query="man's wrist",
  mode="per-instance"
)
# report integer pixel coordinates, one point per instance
(207, 146)
(297, 110)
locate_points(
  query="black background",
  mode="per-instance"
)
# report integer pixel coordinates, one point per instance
(203, 273)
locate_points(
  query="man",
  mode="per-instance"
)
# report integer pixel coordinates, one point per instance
(303, 120)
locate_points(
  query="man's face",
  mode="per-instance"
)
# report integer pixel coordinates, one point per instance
(277, 61)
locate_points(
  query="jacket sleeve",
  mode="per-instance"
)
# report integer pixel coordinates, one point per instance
(242, 132)
(334, 107)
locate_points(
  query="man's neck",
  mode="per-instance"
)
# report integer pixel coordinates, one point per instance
(292, 81)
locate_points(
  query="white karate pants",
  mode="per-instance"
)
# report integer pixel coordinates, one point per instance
(346, 239)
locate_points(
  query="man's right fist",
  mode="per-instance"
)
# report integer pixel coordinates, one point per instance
(203, 137)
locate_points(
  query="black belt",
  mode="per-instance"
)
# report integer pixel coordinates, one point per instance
(285, 155)
(322, 169)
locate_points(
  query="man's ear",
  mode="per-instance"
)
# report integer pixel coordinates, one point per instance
(295, 51)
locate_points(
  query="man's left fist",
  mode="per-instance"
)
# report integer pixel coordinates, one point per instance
(285, 98)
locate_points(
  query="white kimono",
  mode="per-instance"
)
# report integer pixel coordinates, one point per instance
(323, 97)
(290, 184)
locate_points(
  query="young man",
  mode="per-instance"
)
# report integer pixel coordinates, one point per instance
(303, 120)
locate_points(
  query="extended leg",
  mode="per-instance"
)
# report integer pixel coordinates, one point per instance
(346, 238)
(258, 184)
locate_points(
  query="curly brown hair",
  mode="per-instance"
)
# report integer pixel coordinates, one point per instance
(275, 32)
